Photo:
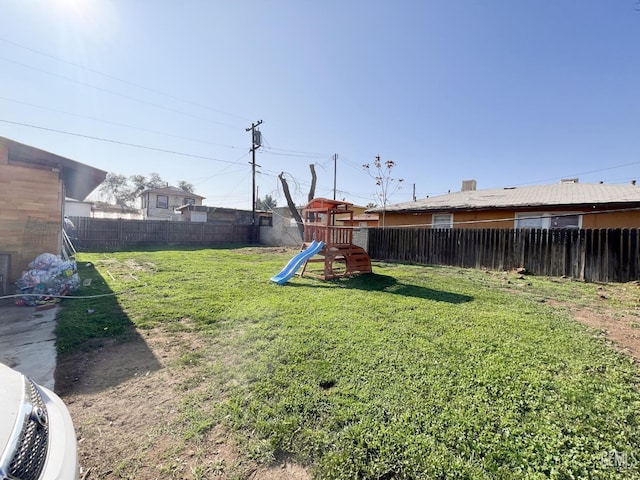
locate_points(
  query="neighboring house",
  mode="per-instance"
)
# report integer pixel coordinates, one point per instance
(358, 218)
(109, 210)
(33, 188)
(362, 220)
(218, 215)
(568, 204)
(77, 208)
(223, 216)
(161, 203)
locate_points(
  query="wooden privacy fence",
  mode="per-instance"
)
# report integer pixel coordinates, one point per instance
(102, 233)
(598, 255)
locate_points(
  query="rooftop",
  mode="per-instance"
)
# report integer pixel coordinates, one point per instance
(560, 194)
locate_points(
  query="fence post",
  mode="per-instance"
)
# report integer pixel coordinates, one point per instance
(121, 240)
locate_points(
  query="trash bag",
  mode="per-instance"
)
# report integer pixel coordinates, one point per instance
(49, 277)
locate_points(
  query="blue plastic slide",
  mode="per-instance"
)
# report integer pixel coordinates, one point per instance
(296, 262)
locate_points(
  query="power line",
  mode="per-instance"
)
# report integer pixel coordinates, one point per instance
(572, 175)
(127, 82)
(173, 152)
(267, 151)
(164, 134)
(127, 97)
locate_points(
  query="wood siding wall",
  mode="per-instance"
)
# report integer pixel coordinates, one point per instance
(595, 255)
(31, 216)
(103, 233)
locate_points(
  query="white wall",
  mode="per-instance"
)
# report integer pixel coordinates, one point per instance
(77, 209)
(284, 231)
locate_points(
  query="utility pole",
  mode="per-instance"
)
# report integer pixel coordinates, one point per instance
(335, 169)
(256, 142)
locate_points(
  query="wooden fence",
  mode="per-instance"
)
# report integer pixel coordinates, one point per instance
(598, 255)
(113, 234)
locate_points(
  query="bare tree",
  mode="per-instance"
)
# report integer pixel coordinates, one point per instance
(387, 185)
(291, 204)
(314, 178)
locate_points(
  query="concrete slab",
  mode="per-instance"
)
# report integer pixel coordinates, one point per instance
(28, 342)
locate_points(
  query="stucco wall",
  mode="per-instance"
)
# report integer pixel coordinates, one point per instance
(77, 209)
(505, 218)
(629, 219)
(283, 232)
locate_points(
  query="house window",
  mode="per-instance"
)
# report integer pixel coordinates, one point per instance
(529, 220)
(162, 201)
(189, 201)
(548, 220)
(566, 221)
(442, 220)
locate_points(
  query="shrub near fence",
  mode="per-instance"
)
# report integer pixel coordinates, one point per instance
(598, 255)
(113, 234)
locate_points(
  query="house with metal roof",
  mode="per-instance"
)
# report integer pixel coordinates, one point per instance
(568, 204)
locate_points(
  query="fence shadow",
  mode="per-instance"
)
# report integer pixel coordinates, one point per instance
(375, 282)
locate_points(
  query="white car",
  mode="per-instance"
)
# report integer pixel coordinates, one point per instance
(37, 438)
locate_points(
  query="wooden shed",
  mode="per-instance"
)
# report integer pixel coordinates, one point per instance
(33, 187)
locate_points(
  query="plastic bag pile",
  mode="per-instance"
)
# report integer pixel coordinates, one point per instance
(49, 276)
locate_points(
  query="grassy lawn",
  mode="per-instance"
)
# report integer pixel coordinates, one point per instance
(412, 372)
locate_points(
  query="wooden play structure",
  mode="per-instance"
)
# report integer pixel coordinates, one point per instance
(339, 256)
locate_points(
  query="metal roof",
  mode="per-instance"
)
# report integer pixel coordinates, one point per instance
(556, 195)
(79, 179)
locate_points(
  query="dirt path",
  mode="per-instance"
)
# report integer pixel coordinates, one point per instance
(125, 409)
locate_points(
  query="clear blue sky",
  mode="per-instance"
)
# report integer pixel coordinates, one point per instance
(504, 92)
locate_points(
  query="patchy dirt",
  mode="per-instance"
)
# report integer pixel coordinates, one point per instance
(622, 331)
(614, 312)
(122, 398)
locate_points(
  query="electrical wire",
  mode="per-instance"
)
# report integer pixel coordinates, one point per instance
(126, 82)
(122, 95)
(164, 134)
(91, 137)
(574, 175)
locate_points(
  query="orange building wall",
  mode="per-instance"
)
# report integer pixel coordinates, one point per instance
(497, 219)
(505, 219)
(612, 220)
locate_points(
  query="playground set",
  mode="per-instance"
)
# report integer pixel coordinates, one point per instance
(326, 245)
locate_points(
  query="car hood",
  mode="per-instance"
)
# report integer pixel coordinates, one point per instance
(11, 401)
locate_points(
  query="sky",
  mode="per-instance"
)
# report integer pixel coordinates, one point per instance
(508, 93)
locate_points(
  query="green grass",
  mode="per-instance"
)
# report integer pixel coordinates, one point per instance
(412, 372)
